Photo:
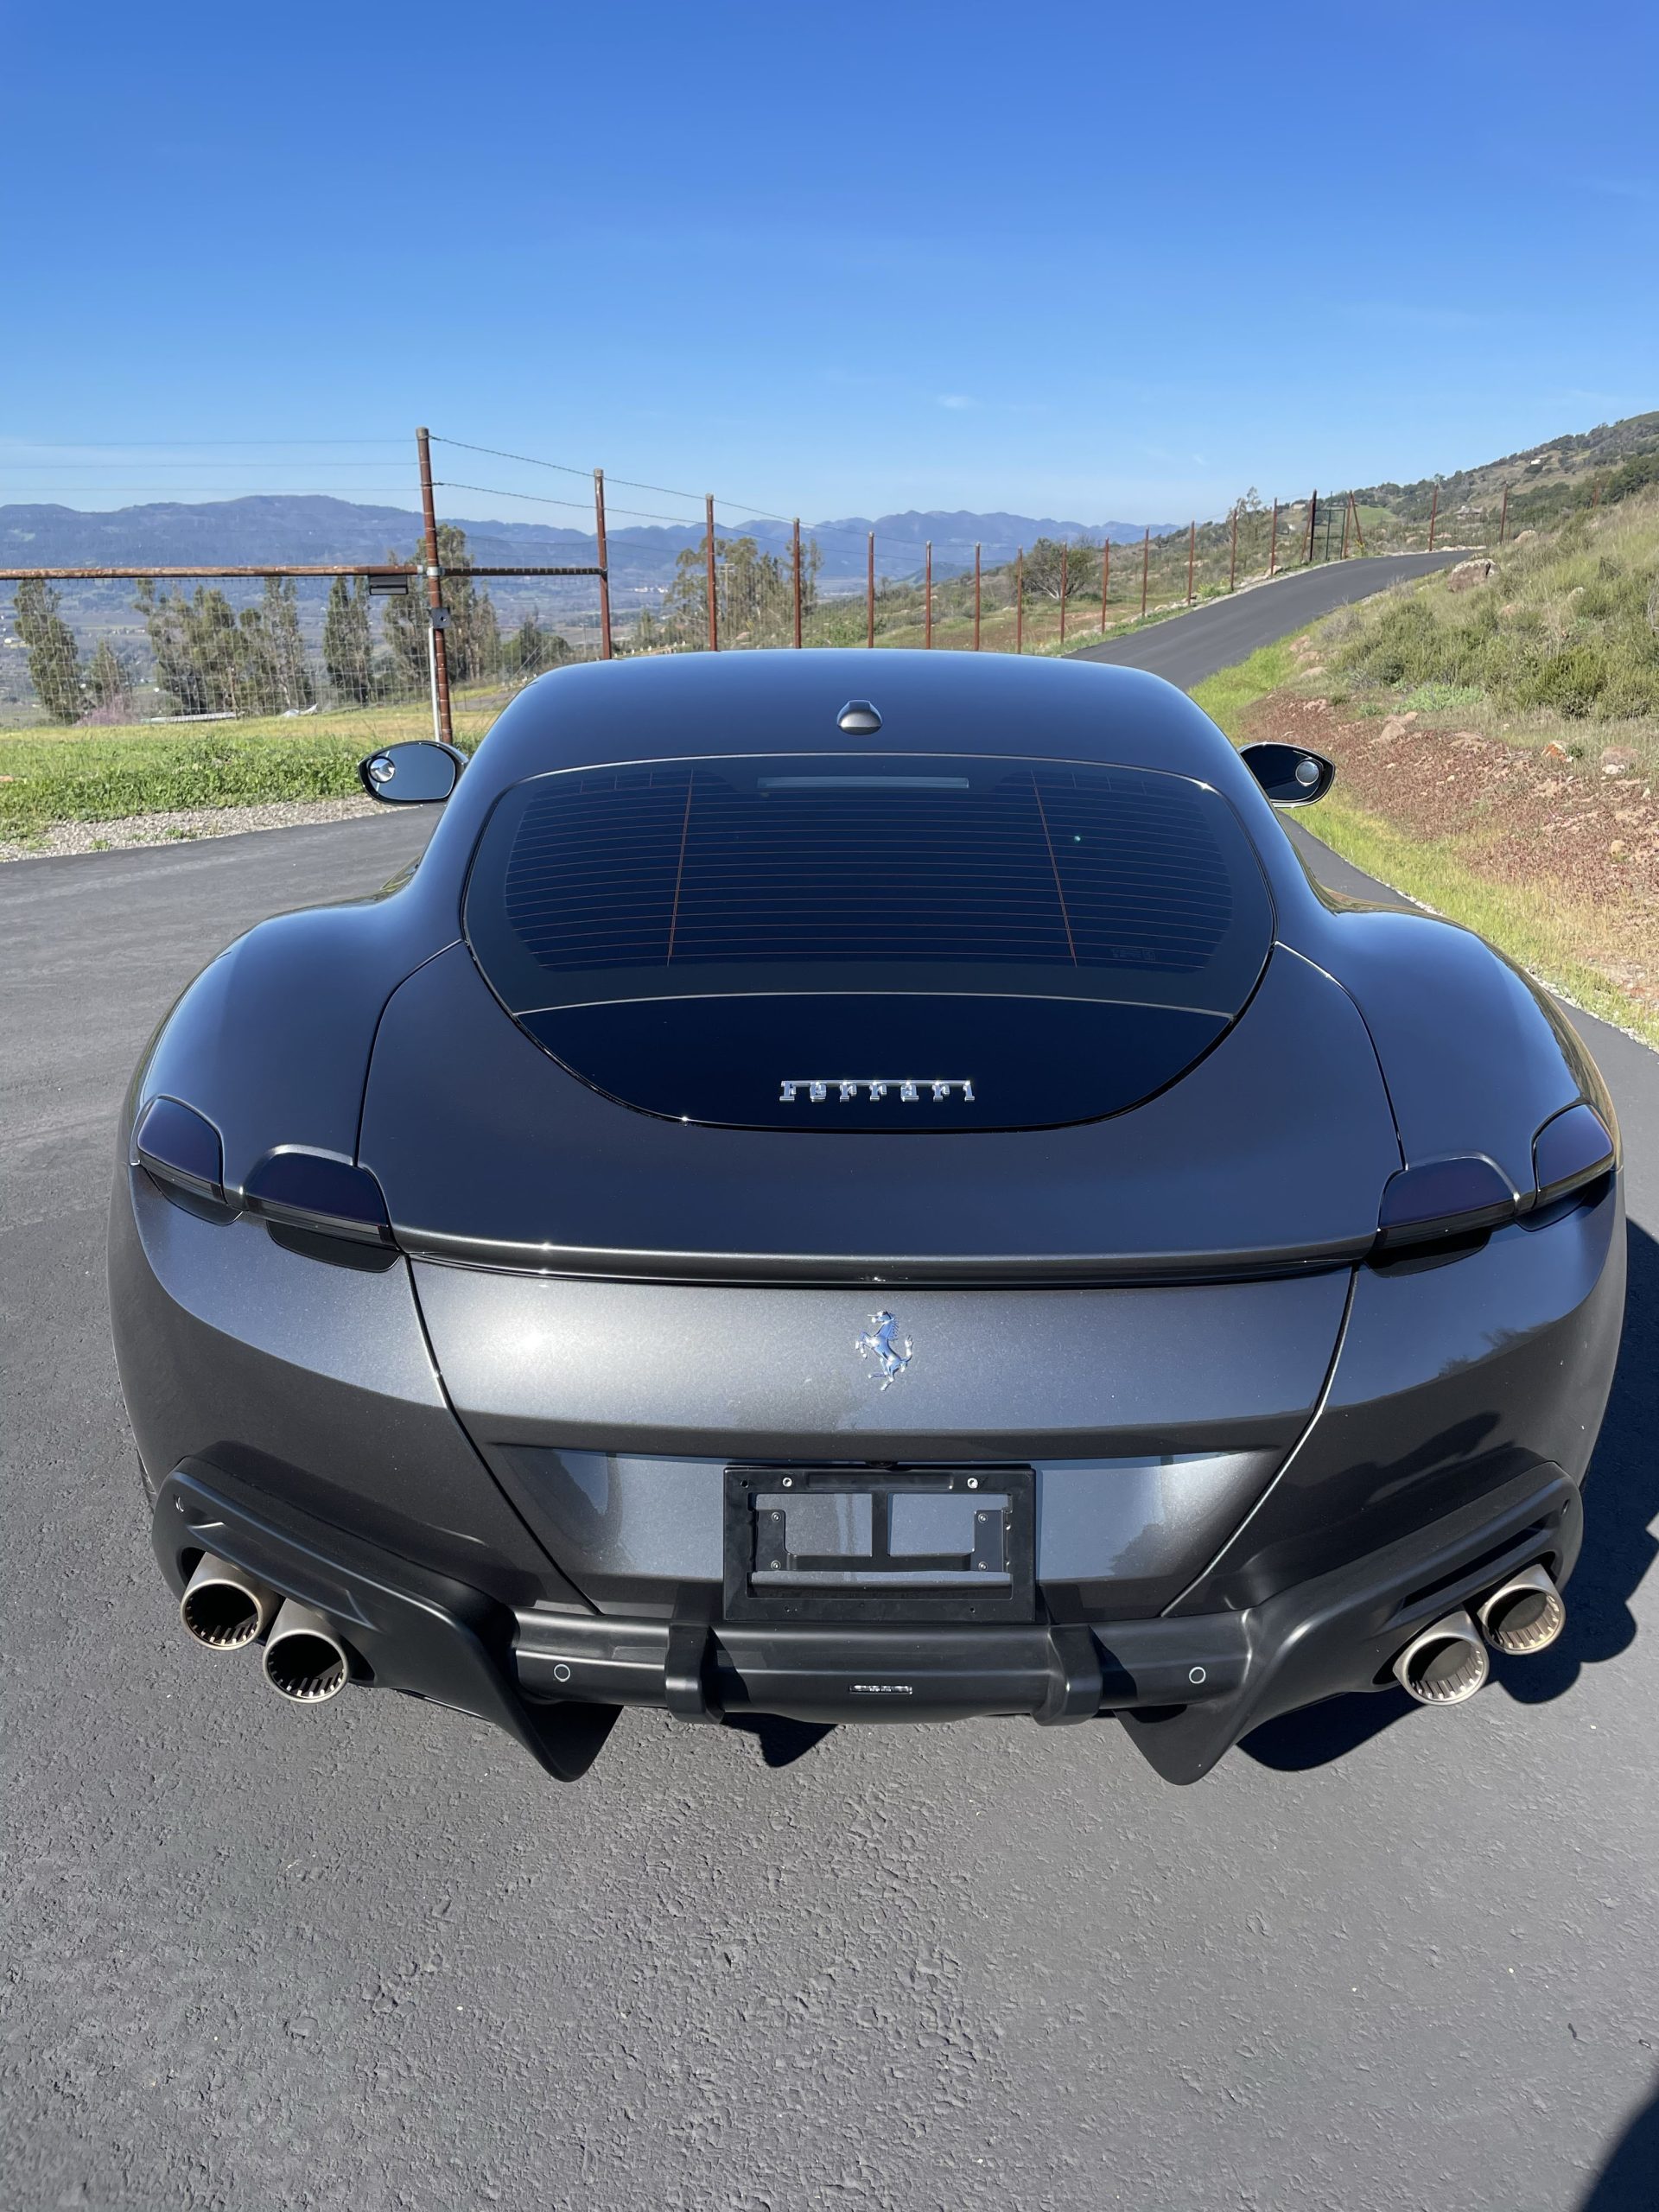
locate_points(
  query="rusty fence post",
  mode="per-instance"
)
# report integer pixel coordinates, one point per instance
(1146, 565)
(796, 552)
(1347, 509)
(1595, 493)
(1434, 516)
(708, 570)
(1192, 555)
(438, 656)
(1272, 542)
(869, 594)
(1065, 584)
(1105, 579)
(1019, 602)
(1359, 528)
(927, 599)
(607, 650)
(1503, 519)
(1232, 562)
(975, 599)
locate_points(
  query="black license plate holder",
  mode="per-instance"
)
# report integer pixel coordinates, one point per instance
(866, 1544)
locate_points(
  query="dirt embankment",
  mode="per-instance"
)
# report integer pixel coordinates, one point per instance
(1583, 834)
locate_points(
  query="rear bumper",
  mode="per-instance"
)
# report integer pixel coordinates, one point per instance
(1186, 1688)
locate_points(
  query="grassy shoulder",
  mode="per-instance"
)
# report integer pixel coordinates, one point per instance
(78, 775)
(1553, 917)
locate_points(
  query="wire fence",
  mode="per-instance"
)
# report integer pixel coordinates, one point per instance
(441, 627)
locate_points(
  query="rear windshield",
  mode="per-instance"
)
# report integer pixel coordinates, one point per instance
(852, 873)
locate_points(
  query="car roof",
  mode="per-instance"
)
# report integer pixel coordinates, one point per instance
(703, 705)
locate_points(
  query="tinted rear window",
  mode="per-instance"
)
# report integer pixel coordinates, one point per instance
(849, 873)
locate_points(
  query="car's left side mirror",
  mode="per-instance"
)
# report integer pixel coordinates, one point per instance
(1290, 774)
(415, 774)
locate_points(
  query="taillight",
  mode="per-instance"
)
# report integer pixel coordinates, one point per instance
(180, 1148)
(1569, 1152)
(1439, 1199)
(315, 1190)
(1442, 1198)
(314, 1193)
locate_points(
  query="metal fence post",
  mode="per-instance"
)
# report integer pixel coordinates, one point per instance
(796, 553)
(1019, 602)
(1105, 579)
(869, 595)
(927, 599)
(1504, 519)
(438, 658)
(1347, 509)
(606, 648)
(1312, 524)
(1359, 527)
(708, 552)
(1232, 564)
(1434, 516)
(1273, 543)
(1146, 565)
(975, 599)
(1192, 555)
(1065, 584)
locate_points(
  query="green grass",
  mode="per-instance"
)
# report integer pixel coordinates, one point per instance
(1225, 695)
(101, 776)
(1569, 626)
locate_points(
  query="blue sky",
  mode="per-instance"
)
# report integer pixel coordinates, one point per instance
(830, 260)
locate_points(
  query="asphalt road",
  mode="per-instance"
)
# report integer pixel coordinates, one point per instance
(367, 1957)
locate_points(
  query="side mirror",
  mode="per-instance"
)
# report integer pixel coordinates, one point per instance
(1288, 774)
(415, 774)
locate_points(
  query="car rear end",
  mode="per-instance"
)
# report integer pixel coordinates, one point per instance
(877, 1232)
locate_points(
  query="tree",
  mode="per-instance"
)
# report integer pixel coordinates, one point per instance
(108, 680)
(348, 643)
(1081, 567)
(531, 649)
(472, 632)
(753, 594)
(53, 656)
(283, 656)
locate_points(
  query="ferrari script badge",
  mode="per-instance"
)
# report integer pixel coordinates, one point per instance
(907, 1087)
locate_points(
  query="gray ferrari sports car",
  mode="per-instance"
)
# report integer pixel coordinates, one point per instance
(865, 1187)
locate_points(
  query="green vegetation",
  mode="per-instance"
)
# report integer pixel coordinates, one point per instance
(1224, 696)
(1569, 624)
(106, 775)
(1539, 924)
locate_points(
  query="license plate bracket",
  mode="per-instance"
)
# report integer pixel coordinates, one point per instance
(869, 1544)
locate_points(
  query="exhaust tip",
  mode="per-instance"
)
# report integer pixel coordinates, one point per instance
(1445, 1663)
(1525, 1615)
(305, 1660)
(223, 1606)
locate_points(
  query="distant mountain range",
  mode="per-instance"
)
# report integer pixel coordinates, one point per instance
(296, 530)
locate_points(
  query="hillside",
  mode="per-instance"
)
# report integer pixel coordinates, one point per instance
(1496, 735)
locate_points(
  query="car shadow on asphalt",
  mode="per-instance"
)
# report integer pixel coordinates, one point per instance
(1626, 2183)
(1621, 1499)
(782, 1741)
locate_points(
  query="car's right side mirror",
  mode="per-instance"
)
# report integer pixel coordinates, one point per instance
(1290, 774)
(416, 773)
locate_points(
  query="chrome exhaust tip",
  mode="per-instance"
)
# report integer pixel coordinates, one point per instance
(1525, 1615)
(305, 1660)
(224, 1607)
(1444, 1663)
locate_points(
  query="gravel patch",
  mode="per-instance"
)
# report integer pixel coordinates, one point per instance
(182, 825)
